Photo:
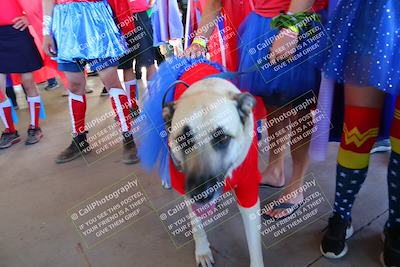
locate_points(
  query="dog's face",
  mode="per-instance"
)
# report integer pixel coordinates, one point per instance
(211, 129)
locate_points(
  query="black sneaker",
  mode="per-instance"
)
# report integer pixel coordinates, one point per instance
(78, 147)
(92, 73)
(135, 112)
(52, 86)
(129, 150)
(34, 135)
(333, 244)
(104, 92)
(8, 139)
(391, 251)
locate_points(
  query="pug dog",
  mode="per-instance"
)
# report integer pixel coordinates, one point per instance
(211, 131)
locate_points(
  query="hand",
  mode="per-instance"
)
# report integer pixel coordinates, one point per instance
(284, 46)
(20, 23)
(194, 51)
(49, 47)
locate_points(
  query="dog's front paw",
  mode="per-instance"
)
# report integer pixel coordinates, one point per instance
(204, 258)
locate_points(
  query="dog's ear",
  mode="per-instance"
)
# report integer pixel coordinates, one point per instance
(168, 113)
(245, 104)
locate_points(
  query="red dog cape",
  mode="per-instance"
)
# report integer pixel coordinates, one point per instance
(153, 142)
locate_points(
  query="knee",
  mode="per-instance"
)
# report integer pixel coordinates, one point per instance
(76, 86)
(27, 79)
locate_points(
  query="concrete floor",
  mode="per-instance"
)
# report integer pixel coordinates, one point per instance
(36, 196)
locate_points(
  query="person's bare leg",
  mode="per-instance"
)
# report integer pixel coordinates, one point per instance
(77, 82)
(363, 96)
(29, 84)
(110, 79)
(129, 75)
(274, 173)
(300, 161)
(10, 135)
(150, 71)
(3, 96)
(120, 104)
(77, 111)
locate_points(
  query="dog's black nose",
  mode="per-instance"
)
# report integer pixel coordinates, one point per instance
(201, 190)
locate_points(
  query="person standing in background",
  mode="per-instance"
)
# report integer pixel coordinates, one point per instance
(18, 54)
(141, 50)
(72, 55)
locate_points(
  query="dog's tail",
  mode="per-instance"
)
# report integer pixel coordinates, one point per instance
(152, 136)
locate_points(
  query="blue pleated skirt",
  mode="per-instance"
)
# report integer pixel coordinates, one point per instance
(86, 30)
(365, 44)
(286, 79)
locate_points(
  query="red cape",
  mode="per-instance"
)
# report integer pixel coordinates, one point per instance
(245, 178)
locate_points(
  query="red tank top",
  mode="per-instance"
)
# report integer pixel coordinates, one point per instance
(10, 10)
(272, 8)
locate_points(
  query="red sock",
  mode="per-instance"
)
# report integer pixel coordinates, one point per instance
(120, 104)
(395, 130)
(77, 109)
(6, 115)
(360, 131)
(34, 109)
(131, 87)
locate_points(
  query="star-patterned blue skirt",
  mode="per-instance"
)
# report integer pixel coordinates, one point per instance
(365, 44)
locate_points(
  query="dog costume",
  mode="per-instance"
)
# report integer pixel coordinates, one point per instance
(153, 141)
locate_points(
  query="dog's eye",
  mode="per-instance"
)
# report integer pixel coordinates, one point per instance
(220, 139)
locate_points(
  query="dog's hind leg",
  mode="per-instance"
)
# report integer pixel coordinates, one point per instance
(204, 257)
(252, 222)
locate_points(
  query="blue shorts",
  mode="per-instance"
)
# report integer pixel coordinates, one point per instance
(94, 64)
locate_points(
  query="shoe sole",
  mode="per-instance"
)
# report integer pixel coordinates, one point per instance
(32, 143)
(61, 161)
(380, 150)
(330, 255)
(382, 260)
(130, 162)
(13, 142)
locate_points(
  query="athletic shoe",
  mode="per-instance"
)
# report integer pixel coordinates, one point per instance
(78, 147)
(135, 112)
(130, 152)
(391, 251)
(92, 73)
(104, 92)
(8, 139)
(66, 92)
(333, 244)
(34, 135)
(52, 86)
(381, 146)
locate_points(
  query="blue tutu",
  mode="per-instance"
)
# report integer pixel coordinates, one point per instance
(365, 39)
(152, 137)
(286, 79)
(86, 30)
